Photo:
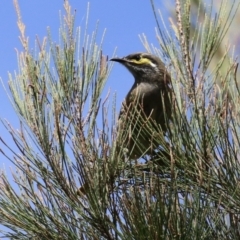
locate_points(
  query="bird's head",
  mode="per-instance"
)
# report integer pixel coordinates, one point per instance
(145, 67)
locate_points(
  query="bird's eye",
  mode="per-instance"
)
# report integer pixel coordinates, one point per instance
(138, 57)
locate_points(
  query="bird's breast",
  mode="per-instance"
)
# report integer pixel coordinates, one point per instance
(142, 90)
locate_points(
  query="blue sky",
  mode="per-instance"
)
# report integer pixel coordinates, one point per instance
(123, 20)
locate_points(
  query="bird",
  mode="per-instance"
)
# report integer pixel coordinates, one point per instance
(149, 100)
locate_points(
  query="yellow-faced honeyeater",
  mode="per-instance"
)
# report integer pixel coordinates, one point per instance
(149, 99)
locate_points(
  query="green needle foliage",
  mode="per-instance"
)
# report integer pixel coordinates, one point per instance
(189, 189)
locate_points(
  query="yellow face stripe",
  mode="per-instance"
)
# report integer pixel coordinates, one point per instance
(141, 61)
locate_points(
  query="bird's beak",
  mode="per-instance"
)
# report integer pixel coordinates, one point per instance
(120, 60)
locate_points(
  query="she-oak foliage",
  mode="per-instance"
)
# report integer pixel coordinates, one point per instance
(188, 190)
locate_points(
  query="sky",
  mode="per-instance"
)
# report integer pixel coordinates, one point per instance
(123, 20)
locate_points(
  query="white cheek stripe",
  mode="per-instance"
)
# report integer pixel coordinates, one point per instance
(153, 64)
